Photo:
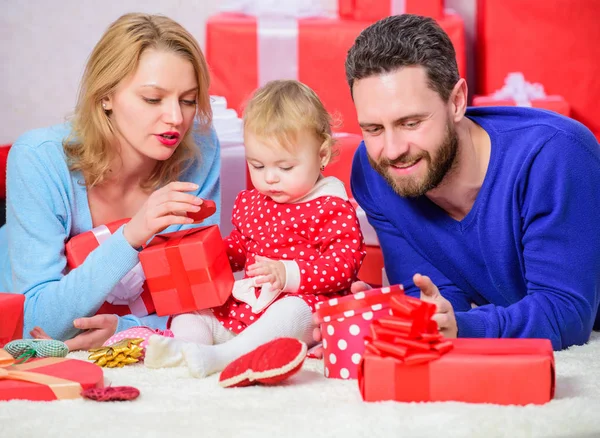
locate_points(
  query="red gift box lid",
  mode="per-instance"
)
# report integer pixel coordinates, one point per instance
(374, 299)
(74, 372)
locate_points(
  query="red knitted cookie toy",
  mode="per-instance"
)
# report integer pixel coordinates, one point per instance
(269, 364)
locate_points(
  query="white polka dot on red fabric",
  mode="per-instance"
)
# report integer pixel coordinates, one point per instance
(342, 344)
(367, 316)
(330, 330)
(324, 344)
(344, 373)
(356, 358)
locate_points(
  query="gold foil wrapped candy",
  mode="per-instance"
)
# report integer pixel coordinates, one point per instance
(119, 354)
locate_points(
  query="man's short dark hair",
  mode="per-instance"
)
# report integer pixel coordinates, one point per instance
(401, 41)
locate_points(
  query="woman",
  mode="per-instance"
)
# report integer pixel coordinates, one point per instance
(133, 151)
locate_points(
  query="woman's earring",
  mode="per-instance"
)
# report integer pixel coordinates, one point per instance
(104, 105)
(322, 168)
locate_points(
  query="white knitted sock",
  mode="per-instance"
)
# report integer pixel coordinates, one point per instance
(289, 317)
(201, 328)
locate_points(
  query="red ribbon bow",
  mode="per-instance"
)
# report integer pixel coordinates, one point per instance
(409, 335)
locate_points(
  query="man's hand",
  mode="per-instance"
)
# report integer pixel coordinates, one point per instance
(444, 315)
(97, 331)
(267, 270)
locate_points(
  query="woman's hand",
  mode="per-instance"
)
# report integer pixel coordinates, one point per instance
(97, 328)
(165, 207)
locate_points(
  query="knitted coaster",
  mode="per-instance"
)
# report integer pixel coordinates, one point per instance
(111, 393)
(269, 364)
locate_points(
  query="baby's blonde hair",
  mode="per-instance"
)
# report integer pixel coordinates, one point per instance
(281, 109)
(91, 146)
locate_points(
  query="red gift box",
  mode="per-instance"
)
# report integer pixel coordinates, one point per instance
(244, 52)
(407, 360)
(553, 42)
(47, 379)
(373, 10)
(79, 247)
(11, 317)
(553, 103)
(187, 270)
(4, 150)
(345, 323)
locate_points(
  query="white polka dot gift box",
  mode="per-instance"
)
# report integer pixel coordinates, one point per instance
(345, 323)
(406, 359)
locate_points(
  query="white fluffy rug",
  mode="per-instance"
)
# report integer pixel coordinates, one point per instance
(174, 405)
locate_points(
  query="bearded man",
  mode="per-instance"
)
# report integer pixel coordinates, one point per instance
(491, 213)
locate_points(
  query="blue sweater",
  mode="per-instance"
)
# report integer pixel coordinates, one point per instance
(528, 252)
(46, 206)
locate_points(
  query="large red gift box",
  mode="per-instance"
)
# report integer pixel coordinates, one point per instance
(553, 103)
(47, 379)
(187, 270)
(244, 52)
(345, 323)
(373, 10)
(407, 360)
(79, 247)
(552, 42)
(11, 317)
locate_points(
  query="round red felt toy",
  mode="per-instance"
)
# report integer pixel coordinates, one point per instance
(269, 364)
(208, 208)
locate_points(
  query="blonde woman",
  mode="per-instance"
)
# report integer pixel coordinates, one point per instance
(140, 145)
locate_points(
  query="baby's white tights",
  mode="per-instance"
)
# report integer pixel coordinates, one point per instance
(207, 347)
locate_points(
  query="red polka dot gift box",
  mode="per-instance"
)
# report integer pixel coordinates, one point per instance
(345, 323)
(187, 270)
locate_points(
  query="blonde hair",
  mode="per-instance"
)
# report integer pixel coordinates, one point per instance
(281, 109)
(90, 148)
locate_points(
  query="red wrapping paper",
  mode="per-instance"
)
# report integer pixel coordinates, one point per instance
(553, 42)
(4, 150)
(407, 360)
(11, 320)
(553, 103)
(187, 270)
(322, 45)
(65, 378)
(373, 10)
(79, 247)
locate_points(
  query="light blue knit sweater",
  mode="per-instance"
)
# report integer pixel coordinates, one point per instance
(47, 205)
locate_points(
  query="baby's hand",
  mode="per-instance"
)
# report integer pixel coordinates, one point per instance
(268, 271)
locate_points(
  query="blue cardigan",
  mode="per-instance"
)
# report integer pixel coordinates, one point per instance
(46, 206)
(528, 252)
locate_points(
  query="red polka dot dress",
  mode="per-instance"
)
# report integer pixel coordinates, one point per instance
(320, 233)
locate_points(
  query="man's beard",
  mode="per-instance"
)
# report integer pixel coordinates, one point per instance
(411, 187)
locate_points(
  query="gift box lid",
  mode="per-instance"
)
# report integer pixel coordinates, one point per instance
(360, 302)
(47, 379)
